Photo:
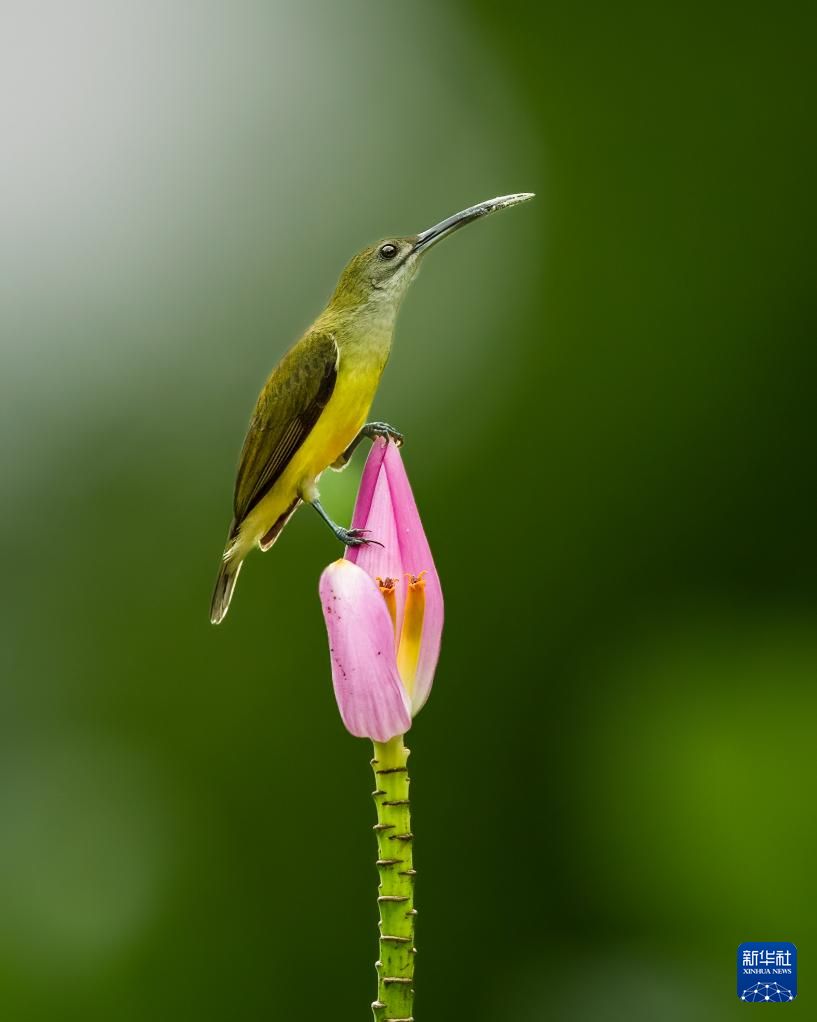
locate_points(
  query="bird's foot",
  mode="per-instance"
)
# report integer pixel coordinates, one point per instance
(376, 429)
(372, 430)
(355, 537)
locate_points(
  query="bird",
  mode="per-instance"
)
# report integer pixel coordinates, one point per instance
(312, 412)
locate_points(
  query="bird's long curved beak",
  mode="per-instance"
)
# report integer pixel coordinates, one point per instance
(466, 216)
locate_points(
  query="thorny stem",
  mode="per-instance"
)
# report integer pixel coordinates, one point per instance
(395, 967)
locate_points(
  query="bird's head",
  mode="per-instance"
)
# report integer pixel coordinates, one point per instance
(379, 276)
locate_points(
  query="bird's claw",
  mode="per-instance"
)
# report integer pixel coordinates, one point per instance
(383, 429)
(356, 537)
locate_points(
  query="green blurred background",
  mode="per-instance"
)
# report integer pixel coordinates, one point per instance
(609, 402)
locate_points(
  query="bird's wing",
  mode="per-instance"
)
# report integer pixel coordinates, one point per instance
(289, 406)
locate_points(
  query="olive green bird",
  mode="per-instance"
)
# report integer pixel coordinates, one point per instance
(311, 414)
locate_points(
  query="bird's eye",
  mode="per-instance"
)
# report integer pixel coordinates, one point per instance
(388, 251)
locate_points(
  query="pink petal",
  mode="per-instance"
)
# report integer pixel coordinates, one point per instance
(386, 506)
(365, 493)
(415, 556)
(369, 692)
(379, 518)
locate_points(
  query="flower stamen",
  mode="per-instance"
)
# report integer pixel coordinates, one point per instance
(387, 587)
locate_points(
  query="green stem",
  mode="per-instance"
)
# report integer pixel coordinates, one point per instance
(395, 968)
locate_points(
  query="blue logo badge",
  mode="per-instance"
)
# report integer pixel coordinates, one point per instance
(767, 972)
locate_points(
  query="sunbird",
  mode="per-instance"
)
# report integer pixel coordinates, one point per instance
(311, 414)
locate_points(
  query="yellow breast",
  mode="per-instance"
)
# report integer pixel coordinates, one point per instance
(338, 425)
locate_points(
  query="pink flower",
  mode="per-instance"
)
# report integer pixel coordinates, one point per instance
(383, 607)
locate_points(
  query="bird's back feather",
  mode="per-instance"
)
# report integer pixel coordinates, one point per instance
(297, 391)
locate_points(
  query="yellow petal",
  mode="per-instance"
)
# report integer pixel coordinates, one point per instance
(408, 651)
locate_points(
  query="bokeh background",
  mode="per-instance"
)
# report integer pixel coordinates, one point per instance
(609, 398)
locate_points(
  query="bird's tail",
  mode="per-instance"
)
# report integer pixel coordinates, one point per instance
(223, 591)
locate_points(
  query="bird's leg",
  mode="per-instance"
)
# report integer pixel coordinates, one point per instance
(370, 430)
(349, 537)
